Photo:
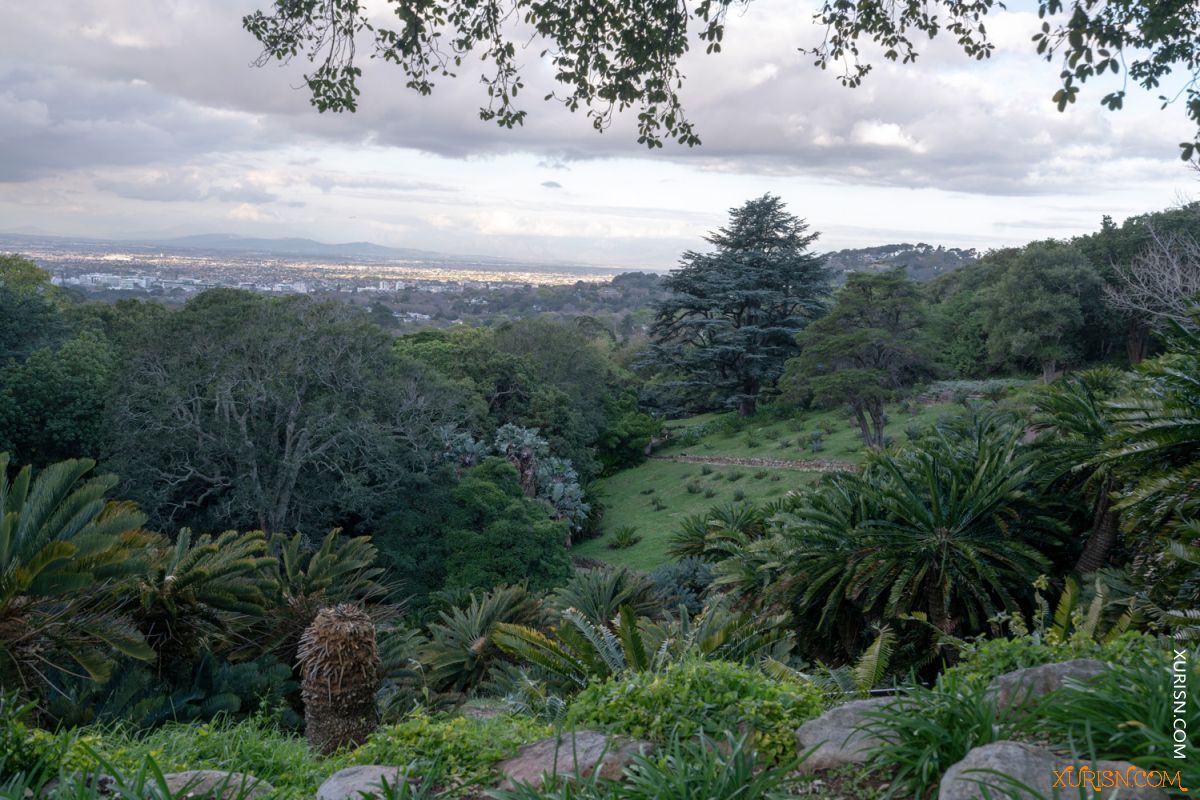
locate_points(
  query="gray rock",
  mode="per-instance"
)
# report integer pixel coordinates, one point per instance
(585, 752)
(1016, 689)
(212, 783)
(352, 782)
(837, 737)
(1037, 769)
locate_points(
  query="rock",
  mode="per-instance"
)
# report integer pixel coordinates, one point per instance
(1038, 769)
(1015, 689)
(587, 752)
(213, 783)
(836, 736)
(352, 782)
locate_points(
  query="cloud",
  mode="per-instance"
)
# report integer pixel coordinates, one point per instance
(552, 184)
(174, 76)
(183, 185)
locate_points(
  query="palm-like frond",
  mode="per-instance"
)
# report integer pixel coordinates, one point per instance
(599, 594)
(63, 548)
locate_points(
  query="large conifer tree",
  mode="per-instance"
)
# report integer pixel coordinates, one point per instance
(731, 319)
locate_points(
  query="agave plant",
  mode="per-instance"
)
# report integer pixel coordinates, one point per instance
(64, 549)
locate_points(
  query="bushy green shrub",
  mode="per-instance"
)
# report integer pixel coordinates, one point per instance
(989, 658)
(24, 749)
(694, 697)
(464, 749)
(255, 746)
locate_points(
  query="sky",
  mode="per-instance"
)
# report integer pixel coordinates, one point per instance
(145, 118)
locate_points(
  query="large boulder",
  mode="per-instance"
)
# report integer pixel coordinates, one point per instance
(585, 753)
(837, 735)
(212, 783)
(1039, 770)
(352, 783)
(1016, 689)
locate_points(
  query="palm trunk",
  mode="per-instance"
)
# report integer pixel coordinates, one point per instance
(1105, 524)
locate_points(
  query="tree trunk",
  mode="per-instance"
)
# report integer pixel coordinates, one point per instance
(863, 426)
(1137, 341)
(1105, 524)
(748, 406)
(877, 422)
(1049, 370)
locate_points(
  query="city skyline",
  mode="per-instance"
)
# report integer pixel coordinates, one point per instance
(132, 119)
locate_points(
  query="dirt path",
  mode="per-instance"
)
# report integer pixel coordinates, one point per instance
(767, 463)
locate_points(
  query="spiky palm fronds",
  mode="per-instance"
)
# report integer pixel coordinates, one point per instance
(198, 591)
(306, 579)
(1157, 440)
(721, 530)
(1075, 431)
(598, 594)
(578, 650)
(581, 650)
(63, 548)
(461, 646)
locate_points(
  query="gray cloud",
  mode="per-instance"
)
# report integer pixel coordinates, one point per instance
(149, 82)
(552, 184)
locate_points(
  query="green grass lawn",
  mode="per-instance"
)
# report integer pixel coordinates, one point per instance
(654, 497)
(630, 499)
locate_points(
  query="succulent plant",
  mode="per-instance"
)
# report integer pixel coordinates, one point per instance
(339, 668)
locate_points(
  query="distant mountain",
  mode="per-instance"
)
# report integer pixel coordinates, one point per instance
(924, 262)
(296, 247)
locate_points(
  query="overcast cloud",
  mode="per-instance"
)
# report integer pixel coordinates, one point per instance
(124, 117)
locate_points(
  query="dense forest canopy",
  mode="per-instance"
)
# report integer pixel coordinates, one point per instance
(200, 505)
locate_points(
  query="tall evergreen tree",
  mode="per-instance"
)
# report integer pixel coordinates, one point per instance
(731, 319)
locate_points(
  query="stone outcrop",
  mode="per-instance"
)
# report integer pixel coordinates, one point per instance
(216, 784)
(1018, 688)
(353, 783)
(585, 753)
(837, 735)
(1038, 770)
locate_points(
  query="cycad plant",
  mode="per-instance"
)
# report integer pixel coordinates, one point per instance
(198, 593)
(304, 580)
(64, 550)
(461, 647)
(944, 532)
(579, 651)
(339, 664)
(1157, 441)
(598, 594)
(1075, 431)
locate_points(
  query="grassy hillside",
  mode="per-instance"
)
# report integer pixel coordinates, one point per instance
(657, 495)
